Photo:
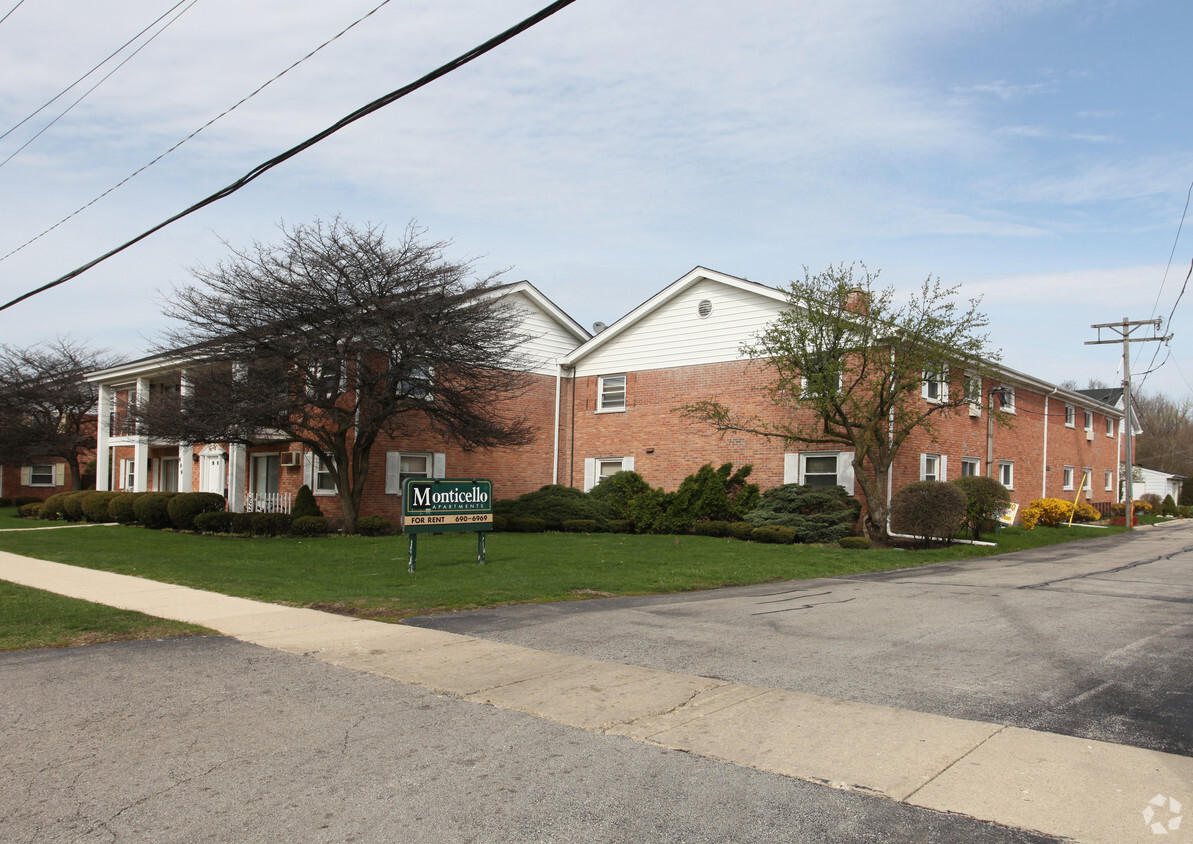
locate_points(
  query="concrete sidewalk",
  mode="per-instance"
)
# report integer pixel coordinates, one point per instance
(1064, 786)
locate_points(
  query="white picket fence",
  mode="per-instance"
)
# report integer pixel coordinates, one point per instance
(268, 502)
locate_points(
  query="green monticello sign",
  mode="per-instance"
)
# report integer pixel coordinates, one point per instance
(442, 506)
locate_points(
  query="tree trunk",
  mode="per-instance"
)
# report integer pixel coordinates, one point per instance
(351, 509)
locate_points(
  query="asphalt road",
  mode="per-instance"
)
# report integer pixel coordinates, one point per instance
(216, 740)
(1089, 639)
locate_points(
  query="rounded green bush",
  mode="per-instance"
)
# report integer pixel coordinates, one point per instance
(711, 528)
(773, 534)
(270, 524)
(308, 526)
(928, 510)
(121, 508)
(858, 542)
(555, 504)
(242, 523)
(32, 510)
(184, 506)
(54, 507)
(985, 499)
(374, 526)
(581, 526)
(816, 514)
(73, 505)
(527, 524)
(95, 506)
(620, 526)
(740, 530)
(151, 509)
(214, 522)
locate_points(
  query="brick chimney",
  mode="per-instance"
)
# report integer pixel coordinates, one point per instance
(857, 301)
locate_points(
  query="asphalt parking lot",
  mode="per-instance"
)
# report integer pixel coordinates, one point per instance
(1090, 639)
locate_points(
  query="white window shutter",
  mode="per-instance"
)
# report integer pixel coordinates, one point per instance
(59, 474)
(438, 465)
(627, 463)
(845, 470)
(791, 468)
(590, 472)
(308, 469)
(393, 479)
(944, 468)
(26, 475)
(923, 466)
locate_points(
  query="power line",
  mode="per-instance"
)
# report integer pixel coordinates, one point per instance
(363, 111)
(10, 11)
(111, 55)
(105, 78)
(219, 116)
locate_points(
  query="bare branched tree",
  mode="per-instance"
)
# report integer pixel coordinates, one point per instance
(335, 336)
(47, 409)
(847, 365)
(1166, 443)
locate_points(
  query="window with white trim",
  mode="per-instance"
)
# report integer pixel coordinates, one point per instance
(970, 467)
(1006, 473)
(400, 465)
(1089, 421)
(1068, 477)
(1070, 416)
(1109, 479)
(1008, 401)
(41, 474)
(1088, 480)
(1109, 427)
(973, 389)
(611, 393)
(936, 386)
(931, 467)
(823, 373)
(324, 483)
(128, 471)
(596, 469)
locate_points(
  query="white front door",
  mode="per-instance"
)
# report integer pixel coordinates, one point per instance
(211, 470)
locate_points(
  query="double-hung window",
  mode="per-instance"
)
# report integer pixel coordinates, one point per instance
(1110, 479)
(1006, 473)
(611, 393)
(931, 467)
(324, 482)
(1109, 427)
(1070, 416)
(1068, 477)
(41, 474)
(1088, 480)
(1089, 422)
(970, 467)
(399, 466)
(936, 386)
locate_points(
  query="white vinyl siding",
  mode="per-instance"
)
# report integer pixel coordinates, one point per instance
(547, 341)
(674, 334)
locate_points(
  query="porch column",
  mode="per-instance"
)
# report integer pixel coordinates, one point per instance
(237, 477)
(186, 451)
(103, 431)
(141, 443)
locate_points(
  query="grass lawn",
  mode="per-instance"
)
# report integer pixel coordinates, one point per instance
(367, 576)
(37, 619)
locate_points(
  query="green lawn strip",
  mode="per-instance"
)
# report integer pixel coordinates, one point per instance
(367, 576)
(37, 619)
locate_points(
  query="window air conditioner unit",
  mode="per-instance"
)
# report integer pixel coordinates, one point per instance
(1089, 435)
(290, 458)
(975, 409)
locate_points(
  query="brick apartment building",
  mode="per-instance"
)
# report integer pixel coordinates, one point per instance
(606, 402)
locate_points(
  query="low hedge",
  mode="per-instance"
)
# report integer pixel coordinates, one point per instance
(32, 510)
(151, 509)
(214, 522)
(740, 530)
(73, 505)
(121, 508)
(184, 506)
(95, 505)
(270, 524)
(860, 543)
(581, 525)
(242, 523)
(54, 507)
(5, 501)
(620, 526)
(711, 528)
(374, 526)
(308, 526)
(773, 534)
(527, 524)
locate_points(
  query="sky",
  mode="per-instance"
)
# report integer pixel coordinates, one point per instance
(1035, 153)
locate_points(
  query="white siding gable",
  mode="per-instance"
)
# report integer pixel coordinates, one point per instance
(549, 340)
(675, 334)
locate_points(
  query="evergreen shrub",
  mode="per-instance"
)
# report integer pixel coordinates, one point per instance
(816, 514)
(95, 506)
(860, 543)
(72, 505)
(374, 526)
(121, 508)
(581, 526)
(270, 524)
(308, 526)
(711, 528)
(151, 509)
(304, 504)
(184, 506)
(214, 522)
(774, 534)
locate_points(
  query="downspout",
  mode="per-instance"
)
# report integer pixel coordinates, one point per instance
(1044, 470)
(558, 398)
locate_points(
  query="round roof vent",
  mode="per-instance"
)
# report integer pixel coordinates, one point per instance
(704, 308)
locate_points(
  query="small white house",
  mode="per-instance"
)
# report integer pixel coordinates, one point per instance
(1157, 483)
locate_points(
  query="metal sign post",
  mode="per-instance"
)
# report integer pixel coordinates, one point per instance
(446, 506)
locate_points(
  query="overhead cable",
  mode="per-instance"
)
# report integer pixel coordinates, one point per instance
(264, 167)
(219, 116)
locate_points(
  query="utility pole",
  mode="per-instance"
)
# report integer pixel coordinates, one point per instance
(1123, 330)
